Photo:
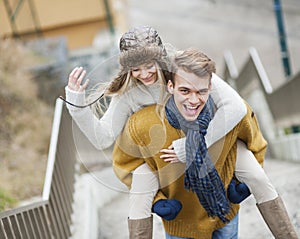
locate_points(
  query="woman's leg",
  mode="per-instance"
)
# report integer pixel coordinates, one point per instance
(250, 172)
(270, 205)
(144, 187)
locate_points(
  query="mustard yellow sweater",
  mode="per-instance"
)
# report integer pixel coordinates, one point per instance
(145, 134)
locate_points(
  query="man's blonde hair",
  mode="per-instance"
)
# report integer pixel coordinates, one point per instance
(194, 61)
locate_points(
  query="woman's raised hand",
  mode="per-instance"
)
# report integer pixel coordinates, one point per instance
(75, 80)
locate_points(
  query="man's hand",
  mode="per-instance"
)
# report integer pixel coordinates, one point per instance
(237, 192)
(168, 209)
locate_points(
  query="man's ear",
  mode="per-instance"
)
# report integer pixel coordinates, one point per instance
(210, 86)
(170, 87)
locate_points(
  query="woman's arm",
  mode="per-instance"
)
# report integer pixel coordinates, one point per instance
(100, 132)
(230, 110)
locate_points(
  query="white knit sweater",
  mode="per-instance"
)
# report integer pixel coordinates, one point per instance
(102, 133)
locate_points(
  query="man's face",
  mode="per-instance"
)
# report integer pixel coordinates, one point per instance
(190, 93)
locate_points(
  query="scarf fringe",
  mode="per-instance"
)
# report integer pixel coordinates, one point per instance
(210, 192)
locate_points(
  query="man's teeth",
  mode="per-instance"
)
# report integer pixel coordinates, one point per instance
(191, 107)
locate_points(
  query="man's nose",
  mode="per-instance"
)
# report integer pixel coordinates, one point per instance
(194, 98)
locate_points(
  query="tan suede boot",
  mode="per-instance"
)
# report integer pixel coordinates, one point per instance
(140, 228)
(277, 219)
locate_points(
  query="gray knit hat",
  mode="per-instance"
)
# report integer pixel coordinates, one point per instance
(140, 45)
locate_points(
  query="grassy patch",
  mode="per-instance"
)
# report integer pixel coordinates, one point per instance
(25, 127)
(6, 201)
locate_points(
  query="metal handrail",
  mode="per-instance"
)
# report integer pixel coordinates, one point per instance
(49, 217)
(282, 102)
(252, 82)
(276, 108)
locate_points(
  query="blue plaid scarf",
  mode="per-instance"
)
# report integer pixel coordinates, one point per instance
(201, 175)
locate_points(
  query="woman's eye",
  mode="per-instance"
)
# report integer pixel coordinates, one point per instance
(150, 66)
(135, 69)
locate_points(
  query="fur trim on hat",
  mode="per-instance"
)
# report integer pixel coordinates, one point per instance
(140, 55)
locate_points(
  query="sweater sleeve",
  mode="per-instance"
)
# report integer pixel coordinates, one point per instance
(179, 148)
(230, 110)
(127, 155)
(100, 132)
(250, 133)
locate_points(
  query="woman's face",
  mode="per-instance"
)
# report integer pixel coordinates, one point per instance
(146, 73)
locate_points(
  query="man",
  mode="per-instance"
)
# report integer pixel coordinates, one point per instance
(201, 184)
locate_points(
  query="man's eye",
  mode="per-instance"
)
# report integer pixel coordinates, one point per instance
(135, 69)
(203, 92)
(184, 91)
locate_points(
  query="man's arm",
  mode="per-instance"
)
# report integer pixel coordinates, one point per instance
(249, 132)
(126, 156)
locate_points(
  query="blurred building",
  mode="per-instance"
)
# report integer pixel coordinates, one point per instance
(78, 20)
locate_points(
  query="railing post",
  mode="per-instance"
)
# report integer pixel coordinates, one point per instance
(282, 38)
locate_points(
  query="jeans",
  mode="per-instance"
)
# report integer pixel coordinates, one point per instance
(230, 231)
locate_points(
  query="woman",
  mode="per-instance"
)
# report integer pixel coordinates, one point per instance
(141, 82)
